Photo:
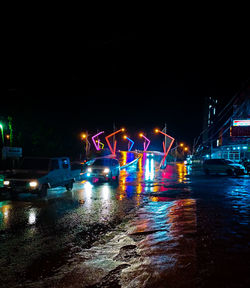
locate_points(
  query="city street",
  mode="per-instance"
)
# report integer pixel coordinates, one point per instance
(155, 228)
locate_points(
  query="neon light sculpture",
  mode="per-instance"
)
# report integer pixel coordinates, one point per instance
(170, 145)
(132, 142)
(112, 150)
(97, 146)
(99, 143)
(145, 146)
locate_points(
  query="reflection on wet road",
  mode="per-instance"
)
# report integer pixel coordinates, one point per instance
(157, 228)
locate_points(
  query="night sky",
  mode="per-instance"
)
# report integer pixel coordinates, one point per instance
(138, 78)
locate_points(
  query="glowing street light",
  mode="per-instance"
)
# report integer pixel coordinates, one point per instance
(112, 150)
(84, 136)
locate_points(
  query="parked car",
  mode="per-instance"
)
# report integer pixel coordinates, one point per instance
(106, 169)
(214, 166)
(37, 175)
(246, 164)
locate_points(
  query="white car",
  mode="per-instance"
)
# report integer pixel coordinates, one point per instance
(106, 169)
(216, 166)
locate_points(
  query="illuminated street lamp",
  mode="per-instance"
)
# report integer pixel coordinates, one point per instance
(112, 150)
(176, 149)
(84, 137)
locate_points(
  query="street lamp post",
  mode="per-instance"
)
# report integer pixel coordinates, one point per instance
(87, 144)
(176, 148)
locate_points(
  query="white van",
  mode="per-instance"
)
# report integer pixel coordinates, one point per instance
(37, 175)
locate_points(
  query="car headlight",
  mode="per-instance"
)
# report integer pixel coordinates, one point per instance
(89, 169)
(106, 170)
(33, 184)
(6, 182)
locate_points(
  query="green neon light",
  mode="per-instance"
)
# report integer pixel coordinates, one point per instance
(1, 127)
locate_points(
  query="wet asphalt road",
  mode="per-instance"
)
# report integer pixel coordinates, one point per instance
(157, 228)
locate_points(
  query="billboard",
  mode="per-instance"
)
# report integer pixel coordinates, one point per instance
(11, 152)
(245, 122)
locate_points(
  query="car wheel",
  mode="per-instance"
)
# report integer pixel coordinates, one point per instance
(69, 186)
(110, 178)
(44, 191)
(230, 172)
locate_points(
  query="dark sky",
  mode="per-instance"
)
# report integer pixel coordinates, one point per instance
(137, 77)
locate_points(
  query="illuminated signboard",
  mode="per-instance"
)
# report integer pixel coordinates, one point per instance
(245, 122)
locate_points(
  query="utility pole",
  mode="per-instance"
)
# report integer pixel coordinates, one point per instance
(165, 131)
(11, 130)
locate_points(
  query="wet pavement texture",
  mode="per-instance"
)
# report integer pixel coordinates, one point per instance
(156, 228)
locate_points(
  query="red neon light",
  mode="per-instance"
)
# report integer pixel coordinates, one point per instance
(170, 145)
(112, 150)
(164, 149)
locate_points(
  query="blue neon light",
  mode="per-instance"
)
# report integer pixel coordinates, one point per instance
(131, 144)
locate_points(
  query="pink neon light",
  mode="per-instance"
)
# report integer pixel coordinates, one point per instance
(144, 144)
(93, 139)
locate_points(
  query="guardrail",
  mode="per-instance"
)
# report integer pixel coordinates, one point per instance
(131, 163)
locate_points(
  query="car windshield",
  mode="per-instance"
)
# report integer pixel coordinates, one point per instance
(102, 162)
(35, 164)
(228, 162)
